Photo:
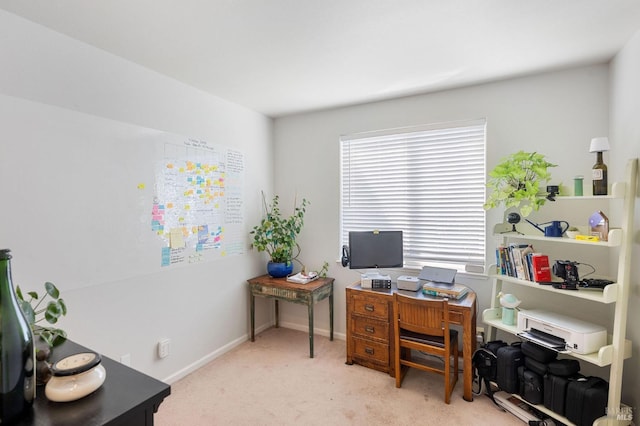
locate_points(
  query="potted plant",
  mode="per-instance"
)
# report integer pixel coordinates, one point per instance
(36, 313)
(516, 182)
(276, 235)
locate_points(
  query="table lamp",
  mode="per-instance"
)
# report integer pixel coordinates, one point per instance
(599, 170)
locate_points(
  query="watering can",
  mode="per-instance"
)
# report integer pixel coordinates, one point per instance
(554, 229)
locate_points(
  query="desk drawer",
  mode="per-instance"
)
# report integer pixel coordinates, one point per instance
(370, 328)
(372, 351)
(371, 306)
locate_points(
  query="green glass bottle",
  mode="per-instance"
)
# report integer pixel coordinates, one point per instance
(599, 173)
(17, 352)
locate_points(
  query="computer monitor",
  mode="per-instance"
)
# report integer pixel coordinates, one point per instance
(375, 249)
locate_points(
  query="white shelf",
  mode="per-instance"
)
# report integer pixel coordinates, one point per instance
(607, 295)
(614, 237)
(618, 190)
(618, 348)
(493, 317)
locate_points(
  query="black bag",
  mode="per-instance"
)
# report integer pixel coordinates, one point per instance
(509, 359)
(535, 366)
(555, 392)
(537, 352)
(485, 364)
(564, 367)
(532, 388)
(586, 400)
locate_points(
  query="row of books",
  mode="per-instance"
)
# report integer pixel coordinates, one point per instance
(522, 262)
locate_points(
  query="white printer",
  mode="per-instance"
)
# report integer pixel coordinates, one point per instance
(556, 330)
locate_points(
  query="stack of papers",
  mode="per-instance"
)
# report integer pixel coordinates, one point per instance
(301, 278)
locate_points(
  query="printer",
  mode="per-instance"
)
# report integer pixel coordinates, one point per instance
(560, 332)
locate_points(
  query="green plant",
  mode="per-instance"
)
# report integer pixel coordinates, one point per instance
(36, 314)
(516, 182)
(277, 234)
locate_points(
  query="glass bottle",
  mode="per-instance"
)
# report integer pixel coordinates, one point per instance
(599, 173)
(17, 351)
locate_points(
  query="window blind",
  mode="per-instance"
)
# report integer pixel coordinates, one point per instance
(428, 182)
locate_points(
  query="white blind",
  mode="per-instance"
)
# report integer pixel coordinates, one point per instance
(428, 182)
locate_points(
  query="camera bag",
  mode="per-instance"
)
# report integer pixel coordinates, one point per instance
(535, 366)
(537, 352)
(555, 391)
(532, 388)
(564, 367)
(509, 359)
(586, 400)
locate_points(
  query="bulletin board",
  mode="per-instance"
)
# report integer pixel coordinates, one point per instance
(87, 200)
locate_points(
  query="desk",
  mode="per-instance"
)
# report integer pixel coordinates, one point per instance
(370, 334)
(281, 289)
(127, 397)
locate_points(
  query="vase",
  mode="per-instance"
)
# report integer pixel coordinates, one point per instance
(279, 269)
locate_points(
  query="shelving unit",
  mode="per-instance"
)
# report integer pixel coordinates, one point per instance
(618, 347)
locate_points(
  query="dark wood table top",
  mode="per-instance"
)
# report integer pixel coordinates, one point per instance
(125, 395)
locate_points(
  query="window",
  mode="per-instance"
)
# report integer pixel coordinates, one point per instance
(428, 182)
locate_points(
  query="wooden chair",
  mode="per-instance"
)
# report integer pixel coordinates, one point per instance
(423, 325)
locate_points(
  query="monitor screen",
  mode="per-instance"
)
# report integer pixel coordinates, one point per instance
(375, 249)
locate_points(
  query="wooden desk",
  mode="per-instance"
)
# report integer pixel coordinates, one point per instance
(370, 335)
(281, 289)
(127, 397)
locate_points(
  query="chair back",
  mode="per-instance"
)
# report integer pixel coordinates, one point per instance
(422, 316)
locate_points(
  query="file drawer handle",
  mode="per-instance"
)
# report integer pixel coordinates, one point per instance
(370, 329)
(369, 307)
(369, 351)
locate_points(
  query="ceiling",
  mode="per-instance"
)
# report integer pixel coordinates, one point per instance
(282, 57)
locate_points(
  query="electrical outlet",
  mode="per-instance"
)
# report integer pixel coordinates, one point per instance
(163, 348)
(479, 335)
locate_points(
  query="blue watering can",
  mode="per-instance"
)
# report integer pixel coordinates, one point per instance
(554, 229)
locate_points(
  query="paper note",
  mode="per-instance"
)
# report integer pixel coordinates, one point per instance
(176, 238)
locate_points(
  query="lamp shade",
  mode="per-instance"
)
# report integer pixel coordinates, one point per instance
(599, 144)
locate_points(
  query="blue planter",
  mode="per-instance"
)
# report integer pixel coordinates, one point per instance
(279, 270)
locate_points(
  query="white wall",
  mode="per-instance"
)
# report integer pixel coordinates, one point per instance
(202, 308)
(556, 114)
(624, 125)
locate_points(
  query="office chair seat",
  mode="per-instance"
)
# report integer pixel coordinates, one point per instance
(427, 339)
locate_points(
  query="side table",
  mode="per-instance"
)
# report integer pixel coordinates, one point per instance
(281, 289)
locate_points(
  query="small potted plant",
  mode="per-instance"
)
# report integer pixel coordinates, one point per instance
(517, 180)
(276, 235)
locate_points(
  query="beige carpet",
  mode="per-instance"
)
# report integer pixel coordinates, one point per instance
(272, 381)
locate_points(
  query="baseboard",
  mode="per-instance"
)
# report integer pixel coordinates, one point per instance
(210, 357)
(319, 332)
(229, 346)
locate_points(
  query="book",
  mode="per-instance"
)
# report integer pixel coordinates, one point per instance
(454, 291)
(301, 278)
(541, 270)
